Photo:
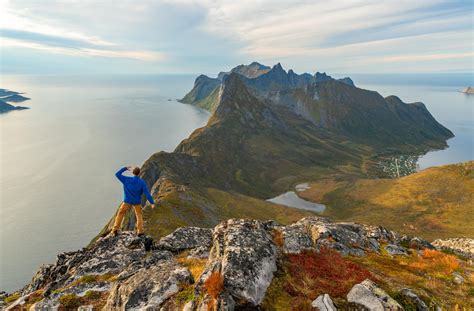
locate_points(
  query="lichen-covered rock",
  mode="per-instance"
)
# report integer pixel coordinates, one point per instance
(52, 301)
(324, 303)
(186, 238)
(461, 246)
(413, 298)
(244, 254)
(148, 288)
(296, 238)
(372, 297)
(396, 250)
(200, 252)
(346, 238)
(107, 255)
(457, 278)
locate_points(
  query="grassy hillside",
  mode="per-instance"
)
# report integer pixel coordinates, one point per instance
(434, 203)
(206, 208)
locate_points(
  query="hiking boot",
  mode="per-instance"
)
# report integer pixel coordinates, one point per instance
(141, 235)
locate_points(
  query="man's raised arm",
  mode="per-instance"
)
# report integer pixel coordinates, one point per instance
(147, 194)
(119, 174)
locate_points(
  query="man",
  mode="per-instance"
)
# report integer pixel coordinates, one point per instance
(133, 188)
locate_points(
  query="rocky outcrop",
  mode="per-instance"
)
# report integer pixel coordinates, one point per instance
(410, 296)
(346, 238)
(461, 246)
(243, 257)
(110, 260)
(148, 289)
(244, 254)
(186, 238)
(372, 297)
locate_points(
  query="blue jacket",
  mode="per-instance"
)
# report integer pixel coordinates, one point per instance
(133, 188)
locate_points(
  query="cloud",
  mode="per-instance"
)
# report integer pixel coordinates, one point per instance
(336, 33)
(17, 30)
(209, 36)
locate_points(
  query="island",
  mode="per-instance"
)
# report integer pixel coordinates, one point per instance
(468, 90)
(7, 96)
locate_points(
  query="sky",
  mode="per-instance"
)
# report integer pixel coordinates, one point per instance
(163, 36)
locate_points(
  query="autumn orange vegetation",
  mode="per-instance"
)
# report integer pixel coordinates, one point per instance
(315, 273)
(278, 238)
(214, 284)
(433, 261)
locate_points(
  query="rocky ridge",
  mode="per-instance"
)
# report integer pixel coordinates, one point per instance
(242, 256)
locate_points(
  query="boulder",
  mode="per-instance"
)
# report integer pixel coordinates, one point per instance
(108, 255)
(186, 238)
(411, 297)
(324, 303)
(148, 288)
(296, 239)
(345, 237)
(244, 254)
(463, 247)
(457, 278)
(372, 297)
(396, 250)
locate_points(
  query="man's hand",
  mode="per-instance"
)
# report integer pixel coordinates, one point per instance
(129, 168)
(152, 206)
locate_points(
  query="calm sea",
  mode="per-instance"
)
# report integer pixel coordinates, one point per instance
(58, 159)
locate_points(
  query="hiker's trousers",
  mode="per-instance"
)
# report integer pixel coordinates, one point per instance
(121, 213)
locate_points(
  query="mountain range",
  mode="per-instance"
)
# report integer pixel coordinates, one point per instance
(270, 130)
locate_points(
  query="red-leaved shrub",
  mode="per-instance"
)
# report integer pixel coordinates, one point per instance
(312, 274)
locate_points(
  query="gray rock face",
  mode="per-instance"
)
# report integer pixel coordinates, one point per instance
(148, 289)
(461, 246)
(107, 255)
(186, 238)
(412, 297)
(372, 297)
(346, 238)
(324, 303)
(396, 250)
(244, 253)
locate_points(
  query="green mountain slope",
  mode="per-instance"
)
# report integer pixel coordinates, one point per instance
(253, 149)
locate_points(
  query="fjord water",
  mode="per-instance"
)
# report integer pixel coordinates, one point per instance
(58, 159)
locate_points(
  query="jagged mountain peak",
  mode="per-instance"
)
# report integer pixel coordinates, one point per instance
(235, 99)
(278, 66)
(250, 71)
